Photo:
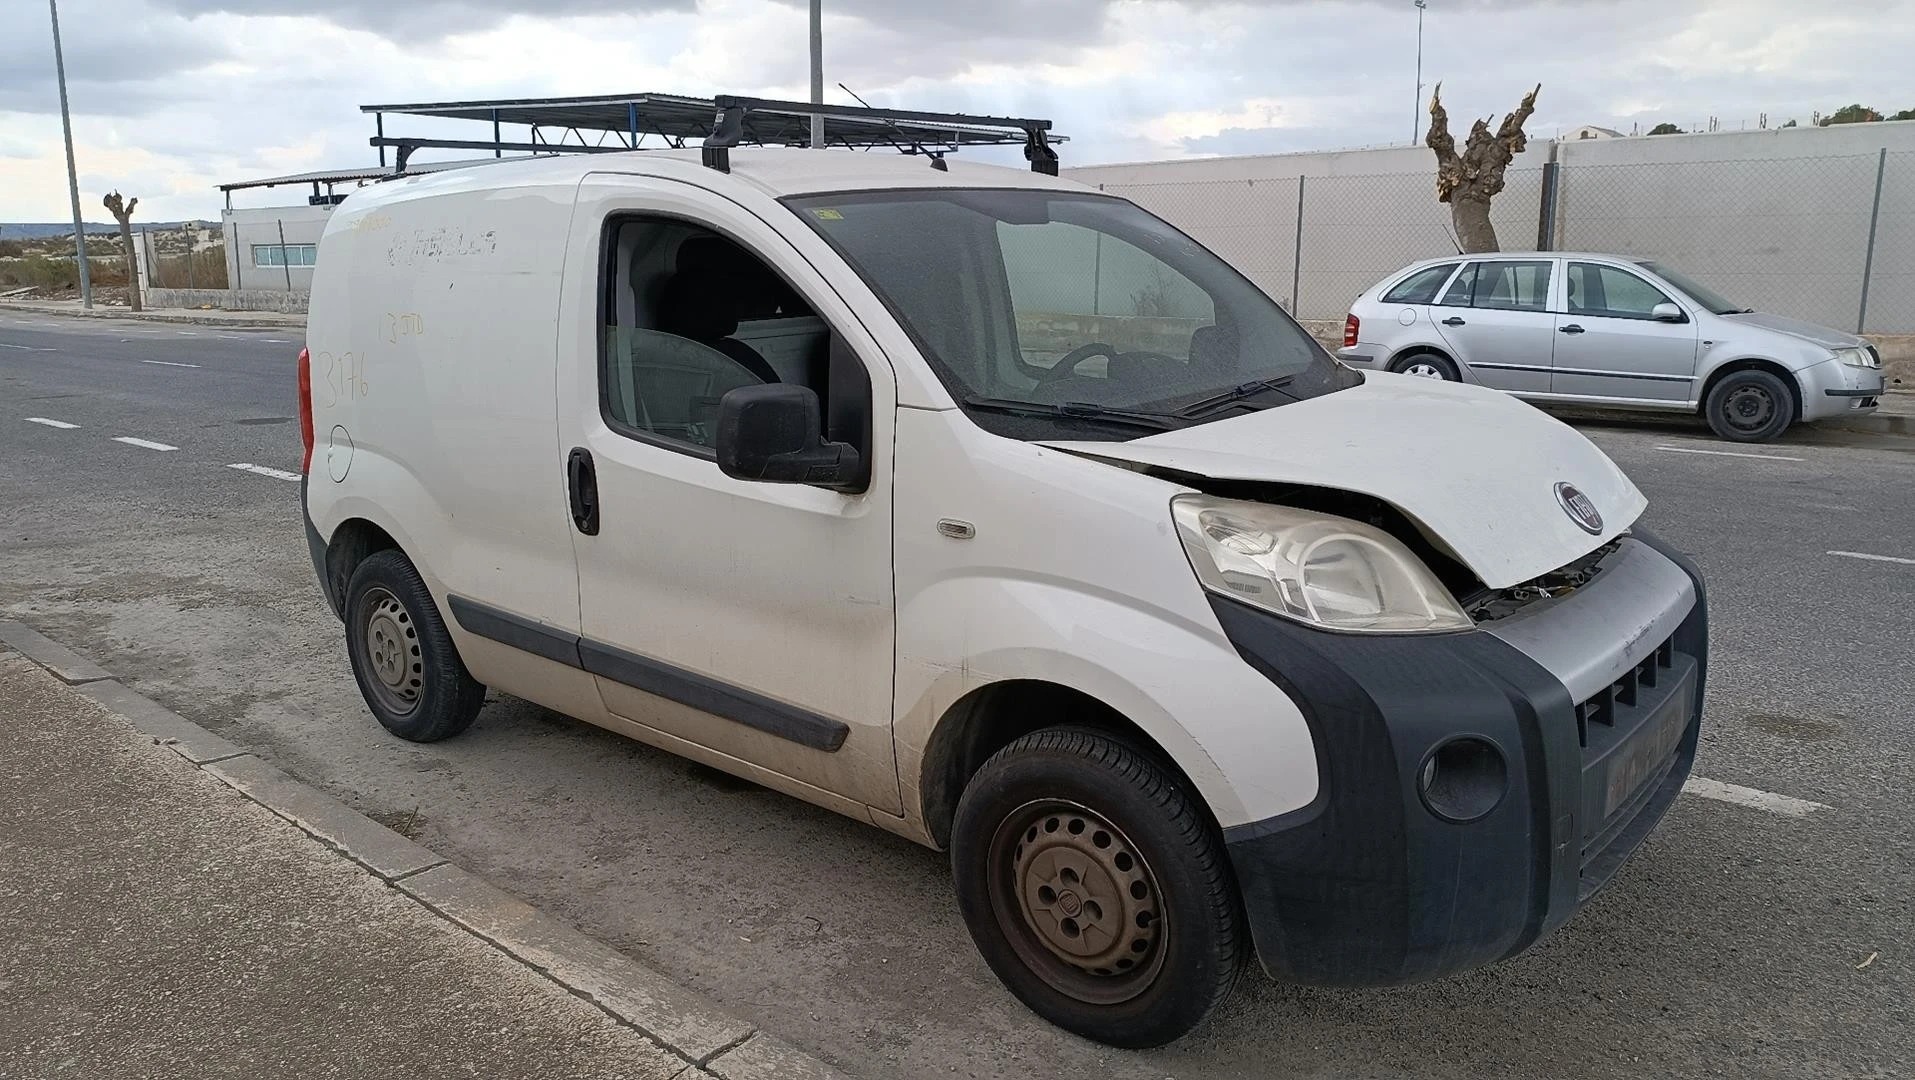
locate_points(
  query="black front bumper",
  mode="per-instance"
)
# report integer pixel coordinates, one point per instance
(1367, 885)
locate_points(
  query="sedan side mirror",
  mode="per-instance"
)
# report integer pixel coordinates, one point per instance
(1667, 313)
(772, 433)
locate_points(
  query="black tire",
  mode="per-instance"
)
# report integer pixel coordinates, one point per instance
(1422, 363)
(1749, 406)
(1064, 801)
(408, 670)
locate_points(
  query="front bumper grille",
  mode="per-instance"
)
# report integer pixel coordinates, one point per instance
(1632, 733)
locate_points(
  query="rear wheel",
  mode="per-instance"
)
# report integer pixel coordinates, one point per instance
(1750, 406)
(1427, 366)
(407, 667)
(1097, 889)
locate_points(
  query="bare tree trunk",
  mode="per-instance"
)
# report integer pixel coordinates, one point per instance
(1474, 233)
(1468, 181)
(123, 213)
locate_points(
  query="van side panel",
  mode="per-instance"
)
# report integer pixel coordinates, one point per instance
(433, 338)
(1074, 576)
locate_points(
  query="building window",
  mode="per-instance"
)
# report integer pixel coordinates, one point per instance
(285, 254)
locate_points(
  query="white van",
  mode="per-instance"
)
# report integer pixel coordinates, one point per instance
(994, 511)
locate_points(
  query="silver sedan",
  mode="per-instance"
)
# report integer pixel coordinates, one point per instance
(1587, 329)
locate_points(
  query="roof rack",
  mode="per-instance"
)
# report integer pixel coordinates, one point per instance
(616, 123)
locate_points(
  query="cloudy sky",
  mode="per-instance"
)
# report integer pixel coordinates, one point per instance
(171, 97)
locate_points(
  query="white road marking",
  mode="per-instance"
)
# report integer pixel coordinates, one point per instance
(1871, 558)
(61, 424)
(275, 341)
(143, 443)
(261, 470)
(25, 348)
(168, 363)
(1785, 805)
(1727, 453)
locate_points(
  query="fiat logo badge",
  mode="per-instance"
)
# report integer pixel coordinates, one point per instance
(1580, 510)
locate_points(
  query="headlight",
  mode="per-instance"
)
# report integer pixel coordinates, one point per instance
(1859, 357)
(1326, 571)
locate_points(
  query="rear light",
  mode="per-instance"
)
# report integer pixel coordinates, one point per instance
(1351, 324)
(306, 410)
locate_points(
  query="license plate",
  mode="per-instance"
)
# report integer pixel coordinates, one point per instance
(1646, 755)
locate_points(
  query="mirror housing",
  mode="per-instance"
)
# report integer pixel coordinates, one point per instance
(772, 433)
(1668, 313)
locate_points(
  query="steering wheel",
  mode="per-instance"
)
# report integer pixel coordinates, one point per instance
(1067, 367)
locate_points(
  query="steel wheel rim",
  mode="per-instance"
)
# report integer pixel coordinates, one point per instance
(391, 646)
(1749, 408)
(1423, 369)
(1078, 901)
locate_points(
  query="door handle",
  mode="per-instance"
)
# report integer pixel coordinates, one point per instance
(581, 485)
(1454, 321)
(1572, 328)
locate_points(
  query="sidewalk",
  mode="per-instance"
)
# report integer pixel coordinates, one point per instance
(156, 922)
(190, 316)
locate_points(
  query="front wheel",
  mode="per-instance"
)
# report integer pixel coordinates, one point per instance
(1750, 406)
(1097, 889)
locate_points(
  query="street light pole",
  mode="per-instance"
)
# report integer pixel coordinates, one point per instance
(817, 72)
(72, 175)
(1416, 113)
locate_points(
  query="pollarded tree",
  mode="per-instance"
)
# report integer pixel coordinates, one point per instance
(123, 213)
(1469, 180)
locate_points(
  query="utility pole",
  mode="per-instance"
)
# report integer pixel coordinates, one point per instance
(72, 174)
(817, 72)
(1416, 113)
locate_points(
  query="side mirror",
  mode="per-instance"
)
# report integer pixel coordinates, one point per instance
(1667, 313)
(772, 433)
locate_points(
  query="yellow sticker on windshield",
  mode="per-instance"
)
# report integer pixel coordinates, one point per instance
(827, 214)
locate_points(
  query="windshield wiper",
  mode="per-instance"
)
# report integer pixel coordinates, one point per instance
(1074, 410)
(1239, 393)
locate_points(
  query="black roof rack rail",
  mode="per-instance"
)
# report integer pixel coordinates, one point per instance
(620, 122)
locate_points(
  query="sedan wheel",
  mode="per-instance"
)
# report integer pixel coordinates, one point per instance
(1427, 366)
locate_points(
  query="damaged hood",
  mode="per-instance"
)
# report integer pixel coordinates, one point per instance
(1478, 471)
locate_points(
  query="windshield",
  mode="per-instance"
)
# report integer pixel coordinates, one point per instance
(1700, 293)
(1058, 315)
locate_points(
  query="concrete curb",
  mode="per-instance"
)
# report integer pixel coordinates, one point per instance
(712, 1042)
(247, 320)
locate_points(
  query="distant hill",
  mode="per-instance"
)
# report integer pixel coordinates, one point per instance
(10, 230)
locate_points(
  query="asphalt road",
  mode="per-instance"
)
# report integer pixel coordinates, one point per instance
(1738, 942)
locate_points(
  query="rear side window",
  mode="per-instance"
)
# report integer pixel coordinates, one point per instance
(1420, 287)
(1611, 292)
(1507, 286)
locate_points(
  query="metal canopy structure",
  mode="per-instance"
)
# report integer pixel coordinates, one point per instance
(330, 178)
(622, 122)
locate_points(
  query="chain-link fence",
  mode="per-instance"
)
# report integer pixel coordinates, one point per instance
(1891, 276)
(1804, 237)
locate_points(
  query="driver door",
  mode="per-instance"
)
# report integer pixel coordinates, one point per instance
(751, 621)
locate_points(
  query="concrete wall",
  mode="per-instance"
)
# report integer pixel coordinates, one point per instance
(229, 299)
(1774, 219)
(246, 228)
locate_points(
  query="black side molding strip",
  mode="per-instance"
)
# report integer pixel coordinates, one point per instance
(520, 633)
(705, 694)
(701, 692)
(1877, 392)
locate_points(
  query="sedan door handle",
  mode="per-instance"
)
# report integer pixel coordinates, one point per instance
(1572, 328)
(1454, 321)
